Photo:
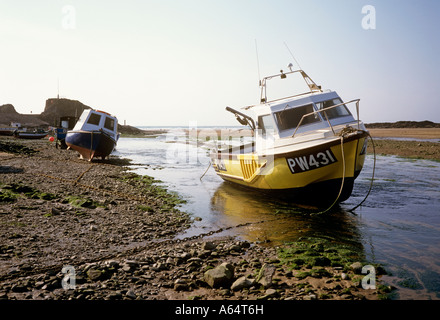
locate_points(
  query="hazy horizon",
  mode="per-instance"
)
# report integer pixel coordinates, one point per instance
(175, 62)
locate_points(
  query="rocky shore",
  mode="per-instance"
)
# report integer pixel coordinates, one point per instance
(70, 229)
(417, 143)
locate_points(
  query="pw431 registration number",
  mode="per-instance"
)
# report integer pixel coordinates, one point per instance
(311, 161)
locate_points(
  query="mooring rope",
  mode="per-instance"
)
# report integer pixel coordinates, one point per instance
(372, 177)
(209, 166)
(342, 133)
(343, 178)
(82, 174)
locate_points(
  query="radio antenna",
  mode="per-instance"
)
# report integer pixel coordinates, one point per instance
(258, 62)
(292, 56)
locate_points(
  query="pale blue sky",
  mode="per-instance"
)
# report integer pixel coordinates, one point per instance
(171, 62)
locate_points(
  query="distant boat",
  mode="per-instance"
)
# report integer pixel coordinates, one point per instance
(38, 134)
(94, 135)
(7, 131)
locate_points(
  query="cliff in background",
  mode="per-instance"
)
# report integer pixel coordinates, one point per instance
(54, 109)
(8, 114)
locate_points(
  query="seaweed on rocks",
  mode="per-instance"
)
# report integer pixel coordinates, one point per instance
(11, 147)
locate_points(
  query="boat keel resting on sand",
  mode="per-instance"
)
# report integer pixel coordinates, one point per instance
(307, 147)
(94, 135)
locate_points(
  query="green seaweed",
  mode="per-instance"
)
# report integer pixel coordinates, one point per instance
(79, 202)
(12, 147)
(316, 252)
(10, 192)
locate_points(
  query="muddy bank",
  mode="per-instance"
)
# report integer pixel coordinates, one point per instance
(407, 149)
(116, 230)
(416, 133)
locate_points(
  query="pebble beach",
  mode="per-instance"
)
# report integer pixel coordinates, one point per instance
(116, 230)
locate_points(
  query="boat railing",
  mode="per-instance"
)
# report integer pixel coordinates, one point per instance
(326, 117)
(313, 87)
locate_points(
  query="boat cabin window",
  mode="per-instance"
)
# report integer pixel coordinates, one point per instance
(94, 119)
(266, 124)
(290, 118)
(109, 123)
(337, 112)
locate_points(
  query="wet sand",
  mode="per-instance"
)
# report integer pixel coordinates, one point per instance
(417, 133)
(116, 229)
(385, 145)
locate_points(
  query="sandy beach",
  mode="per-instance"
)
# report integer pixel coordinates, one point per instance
(416, 133)
(116, 230)
(407, 148)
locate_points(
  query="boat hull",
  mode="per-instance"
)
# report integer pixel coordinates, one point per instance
(30, 135)
(7, 131)
(90, 144)
(312, 174)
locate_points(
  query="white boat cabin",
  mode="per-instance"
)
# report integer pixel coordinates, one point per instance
(95, 120)
(284, 117)
(305, 112)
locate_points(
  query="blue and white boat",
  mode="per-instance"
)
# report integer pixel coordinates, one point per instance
(94, 135)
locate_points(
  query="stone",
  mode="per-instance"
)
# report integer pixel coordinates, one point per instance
(245, 244)
(242, 283)
(18, 288)
(94, 274)
(114, 295)
(112, 264)
(208, 246)
(55, 211)
(51, 284)
(185, 255)
(220, 276)
(158, 266)
(132, 263)
(126, 268)
(129, 265)
(235, 247)
(265, 275)
(180, 285)
(270, 293)
(345, 276)
(130, 294)
(321, 261)
(356, 267)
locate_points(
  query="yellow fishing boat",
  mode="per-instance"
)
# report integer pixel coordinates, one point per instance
(307, 147)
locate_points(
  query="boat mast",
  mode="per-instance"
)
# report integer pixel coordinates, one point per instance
(313, 87)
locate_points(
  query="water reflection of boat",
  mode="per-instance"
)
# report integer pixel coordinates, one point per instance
(307, 147)
(94, 135)
(282, 221)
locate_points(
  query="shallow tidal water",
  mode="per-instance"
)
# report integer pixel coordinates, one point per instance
(398, 226)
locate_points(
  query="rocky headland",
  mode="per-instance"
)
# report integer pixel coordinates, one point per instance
(55, 108)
